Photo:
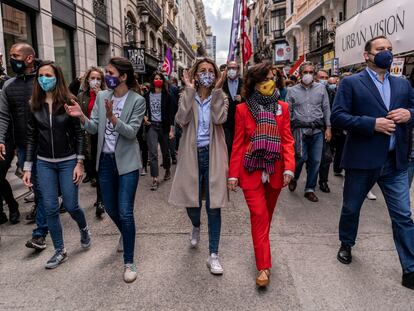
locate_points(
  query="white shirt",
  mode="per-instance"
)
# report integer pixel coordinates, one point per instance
(111, 136)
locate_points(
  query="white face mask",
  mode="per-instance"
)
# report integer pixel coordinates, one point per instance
(232, 73)
(307, 79)
(94, 83)
(323, 82)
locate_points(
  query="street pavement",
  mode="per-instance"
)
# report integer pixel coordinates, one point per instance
(171, 276)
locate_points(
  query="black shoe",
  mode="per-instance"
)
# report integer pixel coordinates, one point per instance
(86, 179)
(408, 280)
(31, 217)
(174, 161)
(344, 254)
(14, 217)
(62, 209)
(3, 218)
(292, 185)
(167, 175)
(100, 209)
(93, 183)
(154, 185)
(324, 187)
(311, 196)
(37, 243)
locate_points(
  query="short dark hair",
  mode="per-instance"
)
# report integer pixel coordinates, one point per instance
(368, 44)
(306, 64)
(254, 75)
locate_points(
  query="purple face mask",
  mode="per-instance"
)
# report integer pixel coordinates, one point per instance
(112, 82)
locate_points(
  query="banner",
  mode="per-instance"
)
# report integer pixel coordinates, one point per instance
(234, 30)
(246, 44)
(167, 67)
(397, 67)
(283, 52)
(295, 69)
(393, 19)
(137, 57)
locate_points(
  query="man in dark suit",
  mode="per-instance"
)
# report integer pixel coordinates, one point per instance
(377, 111)
(232, 87)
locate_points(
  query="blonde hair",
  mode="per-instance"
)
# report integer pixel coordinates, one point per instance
(85, 82)
(193, 70)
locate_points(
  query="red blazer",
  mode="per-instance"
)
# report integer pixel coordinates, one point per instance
(244, 130)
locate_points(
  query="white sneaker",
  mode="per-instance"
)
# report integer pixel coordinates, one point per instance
(214, 265)
(371, 196)
(195, 236)
(130, 272)
(120, 248)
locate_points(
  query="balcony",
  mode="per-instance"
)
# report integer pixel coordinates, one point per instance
(185, 43)
(170, 32)
(154, 9)
(99, 9)
(318, 39)
(278, 34)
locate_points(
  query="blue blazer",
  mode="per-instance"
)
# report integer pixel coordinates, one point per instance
(357, 104)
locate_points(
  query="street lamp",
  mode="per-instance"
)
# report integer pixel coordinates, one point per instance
(145, 16)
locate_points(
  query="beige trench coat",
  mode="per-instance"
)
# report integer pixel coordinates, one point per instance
(184, 190)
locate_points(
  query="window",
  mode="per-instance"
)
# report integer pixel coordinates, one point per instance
(292, 6)
(364, 4)
(62, 42)
(266, 28)
(17, 27)
(318, 34)
(278, 23)
(278, 1)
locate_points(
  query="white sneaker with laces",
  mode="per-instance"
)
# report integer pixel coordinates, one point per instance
(195, 236)
(130, 272)
(371, 196)
(120, 248)
(214, 265)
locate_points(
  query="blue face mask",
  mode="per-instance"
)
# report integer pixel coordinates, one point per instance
(383, 59)
(112, 82)
(332, 87)
(47, 84)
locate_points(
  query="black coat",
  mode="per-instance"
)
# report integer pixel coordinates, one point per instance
(167, 117)
(229, 124)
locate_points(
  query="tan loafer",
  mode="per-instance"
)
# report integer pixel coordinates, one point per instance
(262, 279)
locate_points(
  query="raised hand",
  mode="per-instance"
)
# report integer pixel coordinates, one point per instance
(74, 110)
(186, 79)
(220, 81)
(109, 106)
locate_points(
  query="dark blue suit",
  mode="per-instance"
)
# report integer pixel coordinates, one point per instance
(367, 158)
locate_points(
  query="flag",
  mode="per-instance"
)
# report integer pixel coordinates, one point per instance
(295, 69)
(167, 67)
(246, 44)
(234, 30)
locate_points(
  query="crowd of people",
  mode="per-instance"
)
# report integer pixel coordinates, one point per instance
(222, 131)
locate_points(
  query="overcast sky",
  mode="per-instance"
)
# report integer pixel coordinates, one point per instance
(219, 14)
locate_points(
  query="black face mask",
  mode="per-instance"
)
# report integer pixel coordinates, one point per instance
(18, 66)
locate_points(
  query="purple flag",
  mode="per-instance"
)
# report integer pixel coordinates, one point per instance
(234, 30)
(167, 67)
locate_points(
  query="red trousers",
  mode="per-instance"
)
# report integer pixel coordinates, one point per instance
(261, 203)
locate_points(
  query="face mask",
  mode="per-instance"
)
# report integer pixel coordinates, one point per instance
(232, 73)
(383, 59)
(94, 83)
(266, 88)
(307, 79)
(206, 79)
(47, 84)
(332, 87)
(112, 82)
(158, 83)
(18, 66)
(323, 82)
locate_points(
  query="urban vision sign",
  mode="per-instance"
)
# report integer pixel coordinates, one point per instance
(393, 19)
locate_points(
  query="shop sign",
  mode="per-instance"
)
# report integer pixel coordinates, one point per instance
(397, 67)
(137, 57)
(393, 19)
(328, 60)
(283, 52)
(335, 67)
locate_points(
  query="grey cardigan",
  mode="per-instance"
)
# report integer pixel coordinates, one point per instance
(127, 152)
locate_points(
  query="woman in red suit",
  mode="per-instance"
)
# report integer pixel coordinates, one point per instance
(263, 158)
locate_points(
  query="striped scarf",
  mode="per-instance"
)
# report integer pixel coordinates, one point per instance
(265, 145)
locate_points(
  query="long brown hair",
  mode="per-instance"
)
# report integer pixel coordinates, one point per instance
(193, 71)
(61, 93)
(254, 75)
(85, 80)
(280, 80)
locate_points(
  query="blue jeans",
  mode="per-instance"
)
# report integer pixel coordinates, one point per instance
(51, 175)
(394, 187)
(41, 229)
(118, 195)
(311, 155)
(213, 214)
